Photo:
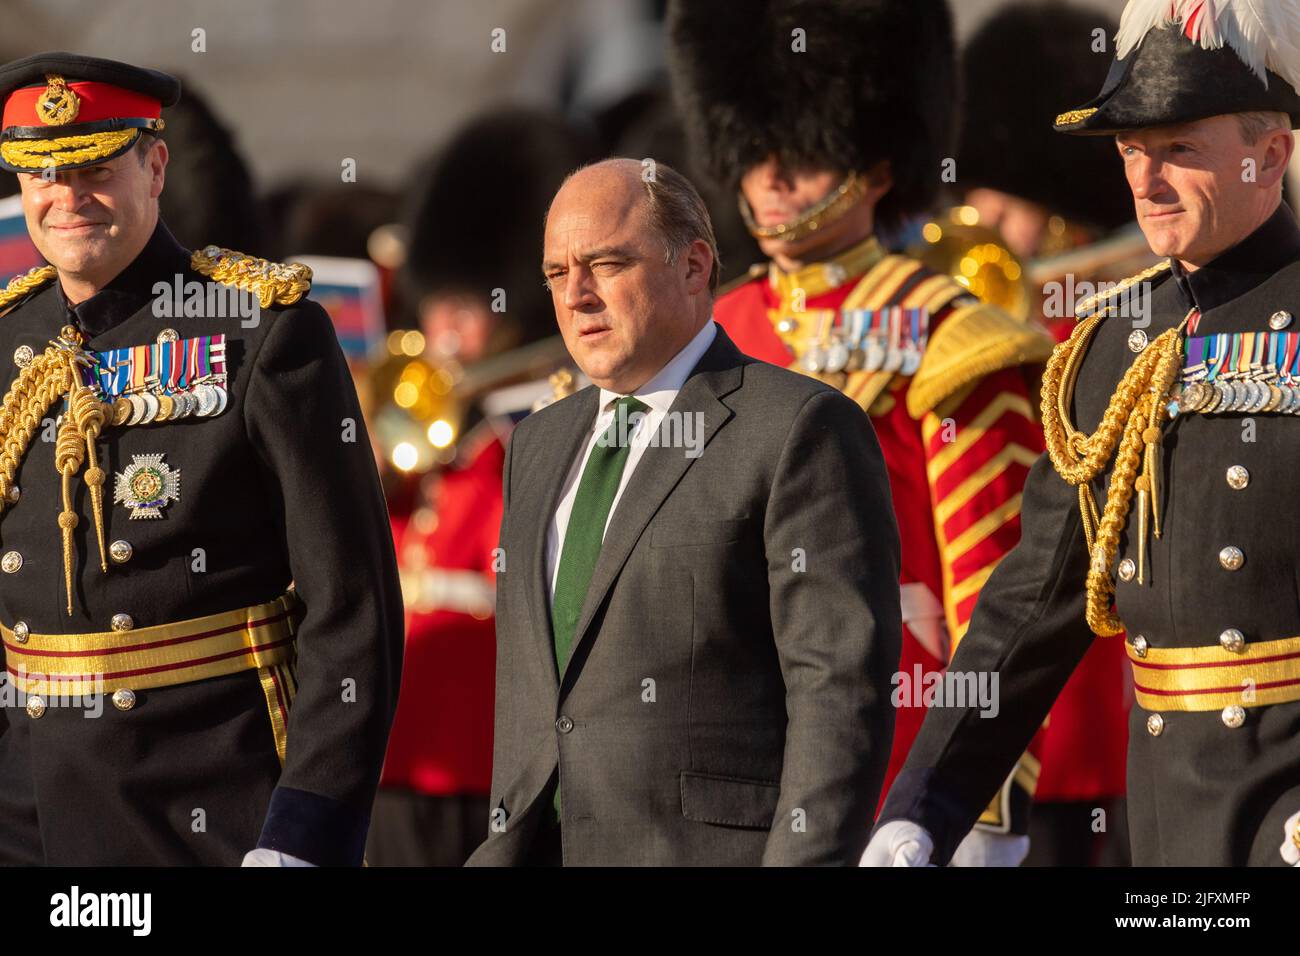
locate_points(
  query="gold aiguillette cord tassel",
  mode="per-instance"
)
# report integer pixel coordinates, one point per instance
(1144, 503)
(90, 414)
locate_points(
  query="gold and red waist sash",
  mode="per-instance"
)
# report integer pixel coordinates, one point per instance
(163, 655)
(1213, 677)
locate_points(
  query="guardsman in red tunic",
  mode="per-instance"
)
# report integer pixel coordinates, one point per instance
(1061, 205)
(946, 380)
(482, 312)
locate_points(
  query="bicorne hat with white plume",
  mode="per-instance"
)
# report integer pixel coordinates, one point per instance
(1177, 61)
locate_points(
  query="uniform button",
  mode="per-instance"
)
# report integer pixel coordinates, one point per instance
(1234, 715)
(14, 492)
(1279, 320)
(167, 335)
(122, 622)
(1137, 340)
(1238, 477)
(120, 551)
(1127, 569)
(564, 725)
(35, 707)
(1232, 640)
(123, 699)
(1140, 646)
(11, 562)
(1232, 558)
(23, 356)
(1155, 725)
(21, 630)
(787, 325)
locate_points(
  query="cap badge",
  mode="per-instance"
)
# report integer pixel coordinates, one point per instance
(58, 105)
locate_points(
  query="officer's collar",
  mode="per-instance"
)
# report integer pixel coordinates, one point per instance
(161, 259)
(1247, 264)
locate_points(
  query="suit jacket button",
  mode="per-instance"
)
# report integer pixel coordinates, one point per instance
(564, 725)
(1234, 715)
(1155, 725)
(123, 699)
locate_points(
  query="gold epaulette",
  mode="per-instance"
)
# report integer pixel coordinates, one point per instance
(974, 341)
(274, 283)
(20, 286)
(754, 271)
(1089, 305)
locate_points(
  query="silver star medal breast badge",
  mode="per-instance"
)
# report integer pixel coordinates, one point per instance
(146, 485)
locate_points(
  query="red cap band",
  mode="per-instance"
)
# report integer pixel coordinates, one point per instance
(99, 101)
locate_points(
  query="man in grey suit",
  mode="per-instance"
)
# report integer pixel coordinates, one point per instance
(699, 613)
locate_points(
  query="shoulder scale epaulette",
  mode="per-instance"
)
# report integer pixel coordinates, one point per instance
(274, 283)
(973, 341)
(752, 273)
(1086, 307)
(28, 282)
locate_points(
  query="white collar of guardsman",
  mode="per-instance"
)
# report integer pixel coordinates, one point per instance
(63, 111)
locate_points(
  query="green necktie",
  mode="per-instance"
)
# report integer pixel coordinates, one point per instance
(586, 529)
(584, 536)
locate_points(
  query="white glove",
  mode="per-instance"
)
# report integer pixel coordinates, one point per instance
(1291, 832)
(899, 843)
(265, 857)
(985, 848)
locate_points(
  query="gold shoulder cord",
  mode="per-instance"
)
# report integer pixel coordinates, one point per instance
(1132, 422)
(273, 283)
(50, 376)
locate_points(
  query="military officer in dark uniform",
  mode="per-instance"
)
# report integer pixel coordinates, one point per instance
(1165, 506)
(198, 594)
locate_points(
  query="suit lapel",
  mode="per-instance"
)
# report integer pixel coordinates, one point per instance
(561, 444)
(658, 472)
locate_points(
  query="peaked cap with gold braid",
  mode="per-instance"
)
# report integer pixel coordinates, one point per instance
(63, 111)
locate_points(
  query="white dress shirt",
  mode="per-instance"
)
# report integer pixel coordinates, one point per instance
(658, 394)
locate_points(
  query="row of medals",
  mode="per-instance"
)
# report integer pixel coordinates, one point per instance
(837, 355)
(204, 399)
(1262, 390)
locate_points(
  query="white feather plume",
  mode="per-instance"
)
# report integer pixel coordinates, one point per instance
(1265, 34)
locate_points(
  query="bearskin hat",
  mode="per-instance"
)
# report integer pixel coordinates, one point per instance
(841, 84)
(478, 217)
(1019, 67)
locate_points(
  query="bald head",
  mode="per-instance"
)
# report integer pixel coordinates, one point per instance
(630, 260)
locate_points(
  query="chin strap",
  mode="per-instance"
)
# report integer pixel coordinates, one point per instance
(821, 214)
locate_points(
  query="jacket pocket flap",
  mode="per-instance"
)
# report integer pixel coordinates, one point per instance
(676, 534)
(730, 801)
